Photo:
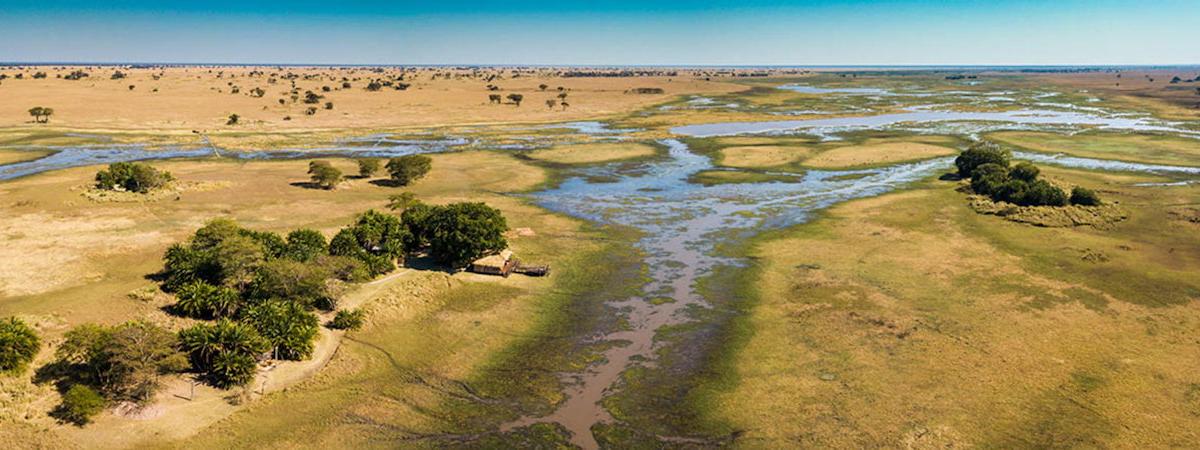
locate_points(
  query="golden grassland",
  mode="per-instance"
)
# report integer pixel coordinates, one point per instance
(909, 320)
(875, 154)
(67, 260)
(1143, 90)
(762, 156)
(593, 153)
(1150, 149)
(183, 99)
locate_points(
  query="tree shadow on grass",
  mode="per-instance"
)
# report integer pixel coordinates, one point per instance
(425, 262)
(387, 182)
(310, 185)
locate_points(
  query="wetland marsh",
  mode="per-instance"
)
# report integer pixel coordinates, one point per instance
(737, 281)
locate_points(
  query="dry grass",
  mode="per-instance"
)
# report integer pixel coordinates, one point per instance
(194, 98)
(592, 153)
(874, 154)
(909, 320)
(1134, 89)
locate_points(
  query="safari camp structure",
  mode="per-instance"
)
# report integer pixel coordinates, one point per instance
(501, 264)
(505, 264)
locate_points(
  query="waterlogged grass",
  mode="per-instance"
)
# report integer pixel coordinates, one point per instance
(910, 320)
(715, 177)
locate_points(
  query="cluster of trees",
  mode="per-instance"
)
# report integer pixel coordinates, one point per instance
(260, 288)
(41, 114)
(987, 166)
(96, 365)
(402, 171)
(453, 234)
(132, 177)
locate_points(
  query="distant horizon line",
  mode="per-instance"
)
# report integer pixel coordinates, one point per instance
(611, 66)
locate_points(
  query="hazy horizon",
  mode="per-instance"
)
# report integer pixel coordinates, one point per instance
(606, 33)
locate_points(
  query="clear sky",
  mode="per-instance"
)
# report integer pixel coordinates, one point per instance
(604, 32)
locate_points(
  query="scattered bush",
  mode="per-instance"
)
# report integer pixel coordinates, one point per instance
(407, 169)
(1084, 196)
(348, 319)
(19, 343)
(132, 177)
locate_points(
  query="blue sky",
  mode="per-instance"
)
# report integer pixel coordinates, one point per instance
(604, 32)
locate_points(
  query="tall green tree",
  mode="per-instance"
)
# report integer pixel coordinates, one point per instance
(324, 175)
(407, 169)
(463, 232)
(305, 245)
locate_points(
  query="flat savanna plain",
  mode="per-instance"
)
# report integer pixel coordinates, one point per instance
(900, 320)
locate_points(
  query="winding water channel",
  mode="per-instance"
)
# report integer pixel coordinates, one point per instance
(682, 223)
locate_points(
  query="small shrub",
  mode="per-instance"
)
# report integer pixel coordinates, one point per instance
(1024, 172)
(19, 343)
(368, 167)
(1084, 196)
(348, 319)
(987, 178)
(79, 405)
